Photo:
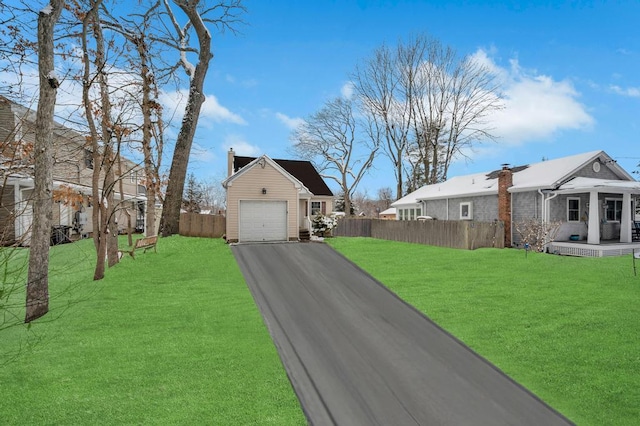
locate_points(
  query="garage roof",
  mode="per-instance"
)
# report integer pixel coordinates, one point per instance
(301, 170)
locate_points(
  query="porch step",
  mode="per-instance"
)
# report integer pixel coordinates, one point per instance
(304, 235)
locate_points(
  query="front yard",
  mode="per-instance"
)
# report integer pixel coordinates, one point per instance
(564, 327)
(174, 337)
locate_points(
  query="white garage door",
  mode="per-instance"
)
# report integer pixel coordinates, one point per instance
(263, 221)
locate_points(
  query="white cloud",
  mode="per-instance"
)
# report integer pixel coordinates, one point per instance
(291, 122)
(240, 146)
(535, 106)
(211, 110)
(347, 90)
(632, 92)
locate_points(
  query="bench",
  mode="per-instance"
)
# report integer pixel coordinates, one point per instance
(145, 243)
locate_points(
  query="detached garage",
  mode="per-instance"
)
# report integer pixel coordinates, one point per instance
(272, 200)
(263, 221)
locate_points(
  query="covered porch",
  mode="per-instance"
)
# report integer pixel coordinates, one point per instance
(610, 217)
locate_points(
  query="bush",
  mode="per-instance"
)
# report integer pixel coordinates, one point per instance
(321, 224)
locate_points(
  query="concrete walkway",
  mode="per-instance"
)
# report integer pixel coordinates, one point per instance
(358, 355)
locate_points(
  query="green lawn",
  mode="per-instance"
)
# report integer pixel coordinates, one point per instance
(167, 338)
(175, 337)
(564, 327)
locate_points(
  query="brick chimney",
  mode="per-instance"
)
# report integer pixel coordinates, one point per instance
(230, 156)
(505, 181)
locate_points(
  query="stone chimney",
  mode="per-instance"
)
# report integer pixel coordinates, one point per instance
(230, 156)
(505, 181)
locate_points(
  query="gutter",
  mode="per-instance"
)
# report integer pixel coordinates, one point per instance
(545, 204)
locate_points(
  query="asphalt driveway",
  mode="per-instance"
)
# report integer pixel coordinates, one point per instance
(358, 355)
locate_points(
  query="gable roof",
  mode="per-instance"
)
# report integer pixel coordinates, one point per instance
(550, 174)
(301, 170)
(261, 162)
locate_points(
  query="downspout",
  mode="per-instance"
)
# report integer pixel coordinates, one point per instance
(545, 205)
(542, 206)
(511, 215)
(447, 209)
(545, 209)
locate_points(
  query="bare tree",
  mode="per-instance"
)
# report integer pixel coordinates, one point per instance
(227, 15)
(333, 140)
(377, 84)
(452, 97)
(537, 234)
(105, 229)
(214, 196)
(37, 302)
(138, 31)
(432, 105)
(385, 197)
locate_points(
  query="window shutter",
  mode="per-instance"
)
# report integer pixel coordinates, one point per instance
(323, 207)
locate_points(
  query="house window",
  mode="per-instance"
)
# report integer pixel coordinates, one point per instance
(466, 211)
(88, 159)
(573, 209)
(316, 207)
(613, 209)
(133, 177)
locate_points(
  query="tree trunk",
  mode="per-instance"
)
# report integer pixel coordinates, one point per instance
(149, 172)
(178, 172)
(126, 207)
(37, 300)
(109, 188)
(99, 209)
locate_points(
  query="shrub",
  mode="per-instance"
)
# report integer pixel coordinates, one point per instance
(321, 224)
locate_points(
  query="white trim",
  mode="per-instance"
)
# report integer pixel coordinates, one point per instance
(469, 206)
(569, 199)
(615, 203)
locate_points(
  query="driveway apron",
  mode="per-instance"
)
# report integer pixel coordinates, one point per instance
(358, 355)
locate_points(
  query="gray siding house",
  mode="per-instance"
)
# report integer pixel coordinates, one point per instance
(590, 194)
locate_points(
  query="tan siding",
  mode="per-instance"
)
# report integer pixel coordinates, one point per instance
(249, 186)
(7, 224)
(328, 200)
(6, 123)
(68, 150)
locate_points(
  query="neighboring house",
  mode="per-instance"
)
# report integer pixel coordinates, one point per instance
(72, 176)
(590, 194)
(388, 214)
(273, 200)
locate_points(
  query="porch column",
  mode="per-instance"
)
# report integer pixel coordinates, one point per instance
(593, 236)
(625, 219)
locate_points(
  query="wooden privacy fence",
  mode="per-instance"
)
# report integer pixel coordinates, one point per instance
(444, 233)
(202, 225)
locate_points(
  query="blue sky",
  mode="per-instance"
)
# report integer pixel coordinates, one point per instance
(570, 71)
